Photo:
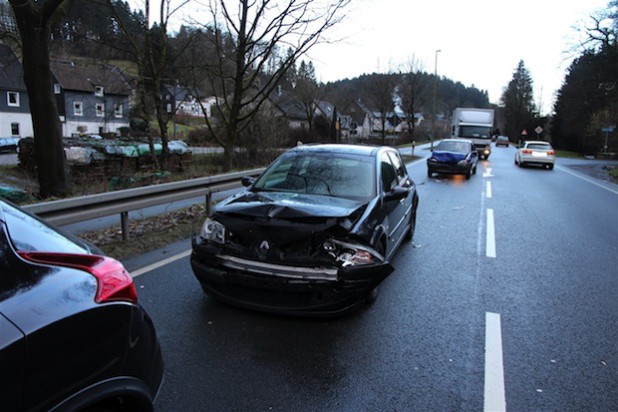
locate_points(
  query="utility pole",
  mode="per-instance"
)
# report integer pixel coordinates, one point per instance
(435, 85)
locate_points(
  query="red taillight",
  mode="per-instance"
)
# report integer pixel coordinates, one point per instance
(551, 153)
(526, 151)
(114, 282)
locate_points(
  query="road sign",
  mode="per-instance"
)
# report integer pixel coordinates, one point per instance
(538, 130)
(524, 133)
(609, 129)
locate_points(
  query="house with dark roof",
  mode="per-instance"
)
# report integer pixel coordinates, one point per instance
(369, 124)
(179, 100)
(91, 99)
(15, 119)
(288, 107)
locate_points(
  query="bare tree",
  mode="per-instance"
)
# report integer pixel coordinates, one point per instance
(381, 95)
(151, 54)
(412, 91)
(306, 90)
(246, 35)
(34, 20)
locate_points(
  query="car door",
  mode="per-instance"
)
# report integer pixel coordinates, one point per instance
(394, 178)
(12, 340)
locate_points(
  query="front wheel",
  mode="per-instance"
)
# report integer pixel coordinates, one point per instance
(372, 296)
(411, 227)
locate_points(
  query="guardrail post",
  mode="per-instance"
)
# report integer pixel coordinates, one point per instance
(124, 225)
(208, 202)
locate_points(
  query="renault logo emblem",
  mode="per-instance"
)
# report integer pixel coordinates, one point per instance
(264, 247)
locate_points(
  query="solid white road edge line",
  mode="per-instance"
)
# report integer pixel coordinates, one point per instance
(609, 189)
(489, 192)
(490, 240)
(160, 263)
(495, 400)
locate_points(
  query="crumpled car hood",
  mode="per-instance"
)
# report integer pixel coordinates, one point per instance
(448, 157)
(281, 205)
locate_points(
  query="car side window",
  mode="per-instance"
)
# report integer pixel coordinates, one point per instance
(388, 172)
(400, 167)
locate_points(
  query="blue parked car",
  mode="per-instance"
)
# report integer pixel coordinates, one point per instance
(454, 156)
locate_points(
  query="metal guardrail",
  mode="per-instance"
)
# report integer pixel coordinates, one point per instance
(80, 209)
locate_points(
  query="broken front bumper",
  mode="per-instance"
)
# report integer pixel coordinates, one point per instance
(284, 289)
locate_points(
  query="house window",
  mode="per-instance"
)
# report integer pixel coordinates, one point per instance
(56, 88)
(14, 129)
(100, 108)
(78, 109)
(12, 99)
(98, 91)
(118, 110)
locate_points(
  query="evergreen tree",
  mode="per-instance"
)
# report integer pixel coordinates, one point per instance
(519, 108)
(588, 99)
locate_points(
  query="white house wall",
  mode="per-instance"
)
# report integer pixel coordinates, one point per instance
(73, 127)
(23, 119)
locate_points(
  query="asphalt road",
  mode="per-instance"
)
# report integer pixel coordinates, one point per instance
(506, 299)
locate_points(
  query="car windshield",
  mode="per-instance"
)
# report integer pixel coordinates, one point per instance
(451, 146)
(328, 174)
(477, 132)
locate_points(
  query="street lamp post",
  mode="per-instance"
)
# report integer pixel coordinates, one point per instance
(435, 83)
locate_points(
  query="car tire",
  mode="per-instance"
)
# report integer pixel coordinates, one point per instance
(411, 227)
(372, 296)
(474, 170)
(468, 174)
(550, 167)
(429, 173)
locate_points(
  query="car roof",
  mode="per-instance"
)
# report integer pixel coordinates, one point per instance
(457, 140)
(363, 150)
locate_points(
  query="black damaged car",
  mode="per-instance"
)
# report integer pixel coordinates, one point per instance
(313, 235)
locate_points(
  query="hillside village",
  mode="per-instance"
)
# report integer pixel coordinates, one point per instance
(97, 99)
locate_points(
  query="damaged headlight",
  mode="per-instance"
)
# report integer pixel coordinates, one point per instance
(350, 254)
(213, 231)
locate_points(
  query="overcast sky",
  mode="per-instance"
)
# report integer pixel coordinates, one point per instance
(481, 41)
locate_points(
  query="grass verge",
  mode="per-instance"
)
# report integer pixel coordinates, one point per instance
(148, 234)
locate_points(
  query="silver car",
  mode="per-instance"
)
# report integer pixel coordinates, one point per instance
(537, 153)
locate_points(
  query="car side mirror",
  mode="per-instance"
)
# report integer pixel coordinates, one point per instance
(397, 193)
(247, 181)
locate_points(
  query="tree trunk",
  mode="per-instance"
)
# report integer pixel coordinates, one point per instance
(52, 169)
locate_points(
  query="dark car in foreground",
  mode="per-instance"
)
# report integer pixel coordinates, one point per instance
(72, 335)
(453, 156)
(312, 235)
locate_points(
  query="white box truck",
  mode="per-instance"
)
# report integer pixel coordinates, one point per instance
(476, 125)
